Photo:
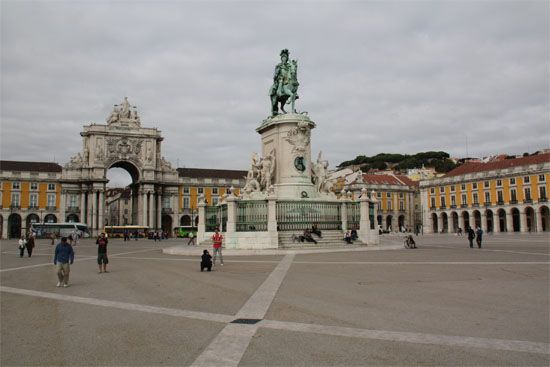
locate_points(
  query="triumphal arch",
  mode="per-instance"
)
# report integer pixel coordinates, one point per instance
(120, 142)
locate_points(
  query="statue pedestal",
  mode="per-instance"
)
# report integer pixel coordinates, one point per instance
(289, 137)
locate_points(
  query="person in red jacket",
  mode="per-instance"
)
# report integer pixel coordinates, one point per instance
(217, 239)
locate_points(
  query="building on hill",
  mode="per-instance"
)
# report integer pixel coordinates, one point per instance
(31, 192)
(398, 200)
(507, 195)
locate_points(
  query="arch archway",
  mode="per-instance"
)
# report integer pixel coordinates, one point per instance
(466, 218)
(388, 223)
(435, 227)
(454, 220)
(197, 221)
(185, 220)
(31, 218)
(544, 213)
(50, 218)
(530, 218)
(14, 225)
(444, 222)
(490, 220)
(401, 223)
(501, 214)
(167, 224)
(516, 225)
(477, 218)
(72, 218)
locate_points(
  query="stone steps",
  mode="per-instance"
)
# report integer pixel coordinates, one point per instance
(330, 239)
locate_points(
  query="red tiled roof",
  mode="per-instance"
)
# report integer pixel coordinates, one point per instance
(211, 173)
(474, 167)
(388, 180)
(30, 166)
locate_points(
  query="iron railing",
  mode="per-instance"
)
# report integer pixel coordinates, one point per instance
(251, 216)
(212, 218)
(300, 215)
(353, 215)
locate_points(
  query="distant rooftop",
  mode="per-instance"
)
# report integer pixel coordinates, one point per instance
(211, 173)
(474, 167)
(30, 166)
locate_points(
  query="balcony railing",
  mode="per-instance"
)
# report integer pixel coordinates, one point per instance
(530, 201)
(453, 206)
(51, 208)
(442, 207)
(167, 211)
(475, 205)
(463, 205)
(432, 207)
(73, 209)
(486, 204)
(15, 207)
(513, 201)
(500, 202)
(543, 200)
(33, 207)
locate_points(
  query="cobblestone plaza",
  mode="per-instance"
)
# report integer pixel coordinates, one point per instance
(442, 304)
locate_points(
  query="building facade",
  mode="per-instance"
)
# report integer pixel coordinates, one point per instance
(509, 195)
(397, 197)
(31, 193)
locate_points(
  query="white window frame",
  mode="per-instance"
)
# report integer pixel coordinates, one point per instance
(526, 179)
(512, 181)
(527, 193)
(487, 197)
(499, 183)
(34, 186)
(215, 200)
(51, 187)
(15, 199)
(33, 203)
(50, 200)
(486, 184)
(186, 202)
(432, 202)
(16, 185)
(542, 178)
(474, 185)
(452, 188)
(475, 198)
(542, 192)
(214, 191)
(513, 195)
(186, 190)
(200, 190)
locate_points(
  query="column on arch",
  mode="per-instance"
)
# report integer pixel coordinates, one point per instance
(90, 211)
(509, 221)
(82, 207)
(62, 205)
(152, 210)
(484, 221)
(159, 209)
(100, 210)
(144, 208)
(523, 220)
(450, 223)
(440, 222)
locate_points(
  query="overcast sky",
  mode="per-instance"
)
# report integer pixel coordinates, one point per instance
(397, 77)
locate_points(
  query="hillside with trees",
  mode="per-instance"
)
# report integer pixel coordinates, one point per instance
(439, 160)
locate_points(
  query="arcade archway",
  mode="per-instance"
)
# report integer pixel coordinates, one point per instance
(14, 225)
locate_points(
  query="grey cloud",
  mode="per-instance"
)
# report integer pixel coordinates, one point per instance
(375, 76)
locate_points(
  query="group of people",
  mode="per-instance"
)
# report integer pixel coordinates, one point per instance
(476, 234)
(26, 243)
(206, 259)
(64, 258)
(350, 236)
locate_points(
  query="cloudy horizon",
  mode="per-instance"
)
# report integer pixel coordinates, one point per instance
(395, 77)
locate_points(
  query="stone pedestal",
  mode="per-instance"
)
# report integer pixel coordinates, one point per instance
(288, 136)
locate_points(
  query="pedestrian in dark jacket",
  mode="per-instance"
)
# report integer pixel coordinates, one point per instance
(471, 236)
(206, 261)
(64, 256)
(479, 235)
(30, 244)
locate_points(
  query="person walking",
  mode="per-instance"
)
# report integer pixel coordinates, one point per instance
(30, 244)
(102, 259)
(191, 239)
(471, 236)
(217, 239)
(479, 235)
(63, 259)
(22, 245)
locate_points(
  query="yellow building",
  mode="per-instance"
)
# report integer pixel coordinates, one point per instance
(508, 195)
(30, 193)
(212, 183)
(396, 196)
